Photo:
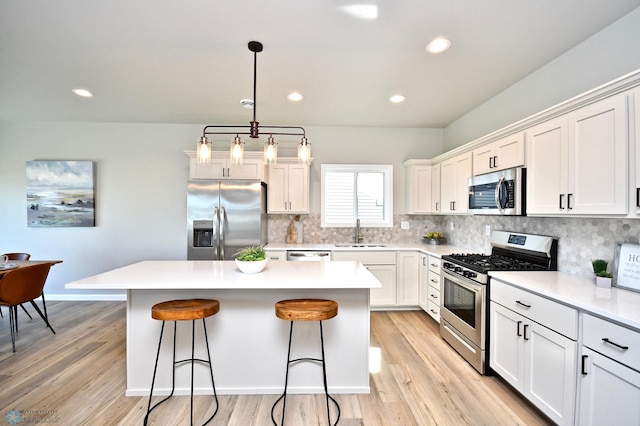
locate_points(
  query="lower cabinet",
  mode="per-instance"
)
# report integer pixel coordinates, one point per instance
(407, 279)
(609, 392)
(382, 264)
(423, 278)
(537, 361)
(276, 254)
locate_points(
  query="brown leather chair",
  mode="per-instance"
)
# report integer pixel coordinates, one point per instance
(20, 286)
(18, 256)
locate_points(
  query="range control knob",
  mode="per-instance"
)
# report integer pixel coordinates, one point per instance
(457, 269)
(447, 265)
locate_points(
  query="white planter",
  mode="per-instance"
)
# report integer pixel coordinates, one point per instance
(251, 267)
(603, 282)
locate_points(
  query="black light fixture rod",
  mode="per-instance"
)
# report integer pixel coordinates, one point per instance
(255, 47)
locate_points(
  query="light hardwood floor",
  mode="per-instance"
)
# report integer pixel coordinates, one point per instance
(77, 377)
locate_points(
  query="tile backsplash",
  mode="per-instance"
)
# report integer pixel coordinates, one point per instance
(579, 240)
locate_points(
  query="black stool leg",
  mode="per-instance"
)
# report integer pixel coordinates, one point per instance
(215, 395)
(155, 369)
(286, 380)
(326, 388)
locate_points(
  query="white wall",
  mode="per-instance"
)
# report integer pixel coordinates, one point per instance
(141, 175)
(609, 54)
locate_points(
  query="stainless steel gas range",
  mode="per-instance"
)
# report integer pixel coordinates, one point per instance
(465, 288)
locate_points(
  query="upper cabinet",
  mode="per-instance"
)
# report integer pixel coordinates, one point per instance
(436, 205)
(635, 178)
(454, 176)
(288, 187)
(577, 163)
(222, 168)
(418, 185)
(499, 155)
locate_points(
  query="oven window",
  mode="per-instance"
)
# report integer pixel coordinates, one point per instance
(460, 301)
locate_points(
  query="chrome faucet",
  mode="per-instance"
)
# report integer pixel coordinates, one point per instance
(357, 238)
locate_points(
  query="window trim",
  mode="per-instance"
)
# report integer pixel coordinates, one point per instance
(387, 169)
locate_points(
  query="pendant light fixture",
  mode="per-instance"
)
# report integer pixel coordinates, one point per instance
(253, 130)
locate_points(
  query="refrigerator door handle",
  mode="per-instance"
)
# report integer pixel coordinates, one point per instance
(216, 224)
(222, 218)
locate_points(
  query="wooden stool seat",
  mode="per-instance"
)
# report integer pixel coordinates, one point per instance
(306, 309)
(188, 309)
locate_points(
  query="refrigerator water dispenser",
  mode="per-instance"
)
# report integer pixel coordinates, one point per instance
(203, 233)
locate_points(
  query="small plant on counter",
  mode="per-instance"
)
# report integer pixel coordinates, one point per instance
(600, 268)
(250, 254)
(434, 235)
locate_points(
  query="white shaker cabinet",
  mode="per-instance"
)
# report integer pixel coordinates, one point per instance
(609, 374)
(529, 351)
(252, 167)
(454, 183)
(418, 185)
(382, 264)
(499, 155)
(577, 163)
(423, 292)
(436, 205)
(433, 308)
(407, 278)
(288, 188)
(635, 181)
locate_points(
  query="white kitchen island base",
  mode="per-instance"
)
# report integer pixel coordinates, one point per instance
(248, 342)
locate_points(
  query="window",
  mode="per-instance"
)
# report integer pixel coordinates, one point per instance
(351, 192)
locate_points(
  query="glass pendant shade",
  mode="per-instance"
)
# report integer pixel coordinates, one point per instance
(270, 151)
(237, 151)
(304, 152)
(203, 152)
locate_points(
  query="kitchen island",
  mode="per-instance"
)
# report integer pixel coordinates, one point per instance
(248, 343)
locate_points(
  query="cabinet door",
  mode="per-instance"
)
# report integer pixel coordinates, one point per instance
(463, 173)
(407, 281)
(483, 159)
(436, 205)
(419, 190)
(547, 152)
(216, 170)
(635, 196)
(298, 188)
(508, 152)
(506, 356)
(386, 295)
(550, 372)
(598, 158)
(423, 292)
(277, 188)
(448, 185)
(609, 392)
(249, 169)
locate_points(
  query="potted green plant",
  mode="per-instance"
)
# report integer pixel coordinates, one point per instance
(251, 260)
(435, 238)
(602, 278)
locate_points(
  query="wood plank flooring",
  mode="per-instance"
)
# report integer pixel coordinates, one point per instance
(77, 377)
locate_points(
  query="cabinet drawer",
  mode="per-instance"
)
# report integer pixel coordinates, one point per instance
(434, 280)
(553, 315)
(367, 257)
(434, 310)
(434, 264)
(595, 330)
(276, 254)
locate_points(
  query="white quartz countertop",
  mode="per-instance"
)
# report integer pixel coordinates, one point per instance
(614, 304)
(209, 274)
(433, 250)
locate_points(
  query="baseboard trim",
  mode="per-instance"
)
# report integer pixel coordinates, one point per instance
(86, 297)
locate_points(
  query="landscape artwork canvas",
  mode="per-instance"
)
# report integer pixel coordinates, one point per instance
(60, 194)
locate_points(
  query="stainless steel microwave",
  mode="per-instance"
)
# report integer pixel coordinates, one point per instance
(498, 193)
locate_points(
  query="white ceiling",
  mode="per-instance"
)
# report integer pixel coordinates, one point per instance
(187, 61)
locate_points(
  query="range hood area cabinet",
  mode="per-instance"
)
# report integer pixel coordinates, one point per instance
(502, 154)
(288, 187)
(577, 164)
(221, 167)
(454, 188)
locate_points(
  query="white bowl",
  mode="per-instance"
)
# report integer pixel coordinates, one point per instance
(251, 267)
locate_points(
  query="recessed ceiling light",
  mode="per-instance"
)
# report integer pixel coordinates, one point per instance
(83, 93)
(246, 103)
(438, 45)
(295, 96)
(396, 99)
(362, 11)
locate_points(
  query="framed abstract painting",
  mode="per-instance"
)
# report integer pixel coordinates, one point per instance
(60, 194)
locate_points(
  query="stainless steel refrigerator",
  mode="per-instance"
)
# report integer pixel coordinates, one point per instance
(225, 216)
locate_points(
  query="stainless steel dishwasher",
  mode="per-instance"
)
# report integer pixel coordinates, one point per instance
(308, 256)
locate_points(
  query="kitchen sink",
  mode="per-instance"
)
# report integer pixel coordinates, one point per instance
(360, 245)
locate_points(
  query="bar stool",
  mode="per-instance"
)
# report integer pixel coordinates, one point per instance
(183, 310)
(306, 310)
